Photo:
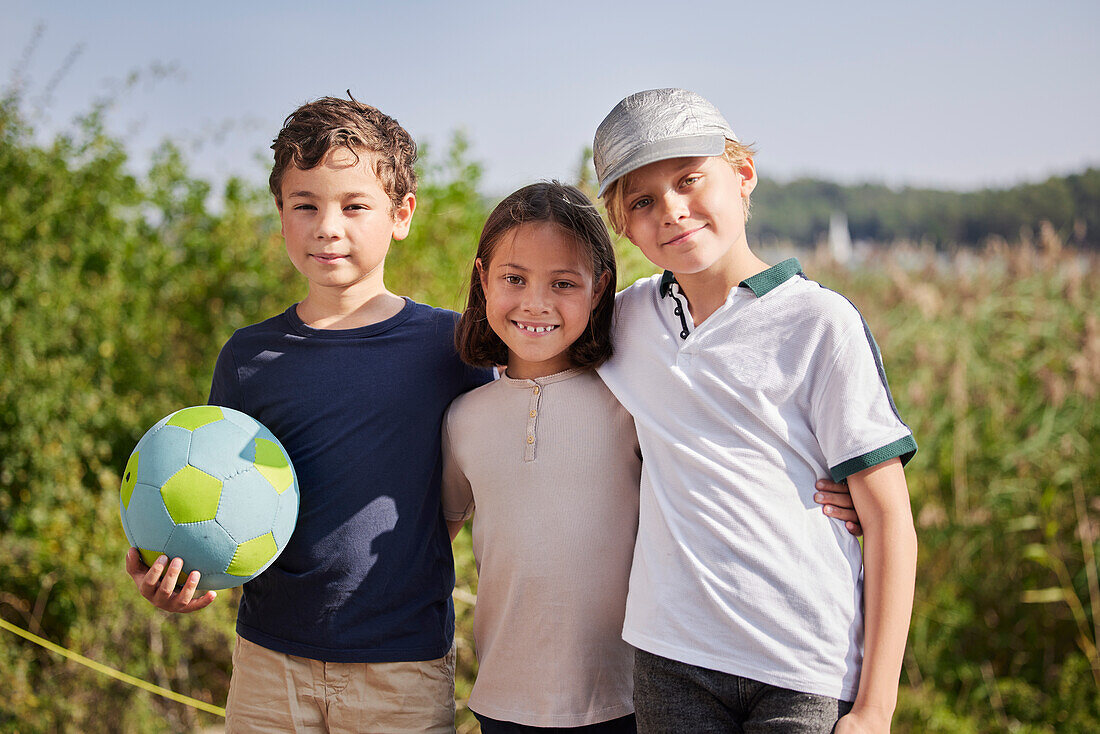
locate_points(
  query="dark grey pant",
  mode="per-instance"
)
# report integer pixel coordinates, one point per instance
(670, 696)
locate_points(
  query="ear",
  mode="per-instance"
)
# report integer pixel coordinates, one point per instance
(601, 284)
(747, 171)
(282, 226)
(481, 273)
(402, 217)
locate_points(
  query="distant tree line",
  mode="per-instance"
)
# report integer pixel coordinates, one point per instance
(799, 211)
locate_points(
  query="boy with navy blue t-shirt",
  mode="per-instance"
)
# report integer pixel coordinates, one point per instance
(354, 381)
(368, 574)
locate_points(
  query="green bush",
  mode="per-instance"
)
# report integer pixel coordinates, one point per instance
(117, 289)
(116, 292)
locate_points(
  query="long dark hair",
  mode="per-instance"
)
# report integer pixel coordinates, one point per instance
(568, 208)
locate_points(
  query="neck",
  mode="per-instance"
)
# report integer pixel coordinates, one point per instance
(325, 309)
(534, 373)
(707, 290)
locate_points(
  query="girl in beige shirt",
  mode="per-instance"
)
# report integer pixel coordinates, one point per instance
(550, 460)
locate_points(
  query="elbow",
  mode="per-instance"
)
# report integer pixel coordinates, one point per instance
(908, 538)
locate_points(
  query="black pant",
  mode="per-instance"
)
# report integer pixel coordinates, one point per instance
(624, 725)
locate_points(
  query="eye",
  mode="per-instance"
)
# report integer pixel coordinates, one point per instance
(562, 284)
(641, 203)
(356, 207)
(513, 280)
(304, 207)
(689, 180)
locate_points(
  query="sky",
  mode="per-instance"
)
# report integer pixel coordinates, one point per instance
(960, 95)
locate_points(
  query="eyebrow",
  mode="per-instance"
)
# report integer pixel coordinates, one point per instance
(311, 195)
(631, 189)
(560, 271)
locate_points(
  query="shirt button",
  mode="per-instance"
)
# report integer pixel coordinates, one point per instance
(530, 439)
(536, 389)
(534, 413)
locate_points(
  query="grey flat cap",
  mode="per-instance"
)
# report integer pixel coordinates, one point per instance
(655, 125)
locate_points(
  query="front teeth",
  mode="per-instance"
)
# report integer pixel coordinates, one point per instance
(536, 329)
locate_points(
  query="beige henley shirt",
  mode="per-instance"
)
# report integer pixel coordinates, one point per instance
(552, 466)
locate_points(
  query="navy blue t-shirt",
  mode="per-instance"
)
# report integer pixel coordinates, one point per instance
(368, 574)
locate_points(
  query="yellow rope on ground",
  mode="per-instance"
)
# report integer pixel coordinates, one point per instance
(117, 675)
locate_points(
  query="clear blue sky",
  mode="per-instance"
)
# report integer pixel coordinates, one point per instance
(951, 94)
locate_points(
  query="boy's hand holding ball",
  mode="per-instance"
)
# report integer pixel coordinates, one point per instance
(157, 583)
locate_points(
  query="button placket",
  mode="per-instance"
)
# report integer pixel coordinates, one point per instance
(532, 423)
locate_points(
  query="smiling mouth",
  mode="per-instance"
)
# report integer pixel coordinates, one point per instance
(327, 258)
(678, 239)
(534, 329)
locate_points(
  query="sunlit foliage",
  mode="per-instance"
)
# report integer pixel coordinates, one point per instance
(118, 287)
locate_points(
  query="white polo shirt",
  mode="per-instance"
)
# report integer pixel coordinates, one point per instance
(736, 569)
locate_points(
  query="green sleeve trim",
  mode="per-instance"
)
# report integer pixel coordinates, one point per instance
(903, 448)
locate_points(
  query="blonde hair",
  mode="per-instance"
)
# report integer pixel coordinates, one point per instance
(736, 154)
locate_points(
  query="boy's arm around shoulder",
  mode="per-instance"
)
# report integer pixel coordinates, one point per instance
(456, 493)
(881, 497)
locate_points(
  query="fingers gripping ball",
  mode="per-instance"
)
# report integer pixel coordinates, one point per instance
(212, 486)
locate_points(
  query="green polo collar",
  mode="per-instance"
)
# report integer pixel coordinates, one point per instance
(774, 276)
(759, 284)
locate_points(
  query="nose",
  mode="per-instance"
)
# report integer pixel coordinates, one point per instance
(673, 208)
(330, 224)
(536, 299)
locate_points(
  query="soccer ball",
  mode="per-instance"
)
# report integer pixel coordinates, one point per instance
(212, 486)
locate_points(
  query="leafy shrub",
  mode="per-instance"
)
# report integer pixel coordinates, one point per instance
(117, 290)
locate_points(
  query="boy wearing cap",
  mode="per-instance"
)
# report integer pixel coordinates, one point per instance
(746, 382)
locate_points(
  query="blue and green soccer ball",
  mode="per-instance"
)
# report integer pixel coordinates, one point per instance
(212, 486)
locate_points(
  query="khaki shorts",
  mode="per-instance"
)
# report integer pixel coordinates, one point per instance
(273, 692)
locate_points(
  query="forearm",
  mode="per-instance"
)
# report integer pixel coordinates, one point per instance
(889, 575)
(890, 558)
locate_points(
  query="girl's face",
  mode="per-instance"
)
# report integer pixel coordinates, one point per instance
(539, 295)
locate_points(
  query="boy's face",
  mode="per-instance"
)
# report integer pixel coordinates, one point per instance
(687, 214)
(337, 222)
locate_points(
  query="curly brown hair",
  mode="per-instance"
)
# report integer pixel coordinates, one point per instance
(314, 129)
(569, 209)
